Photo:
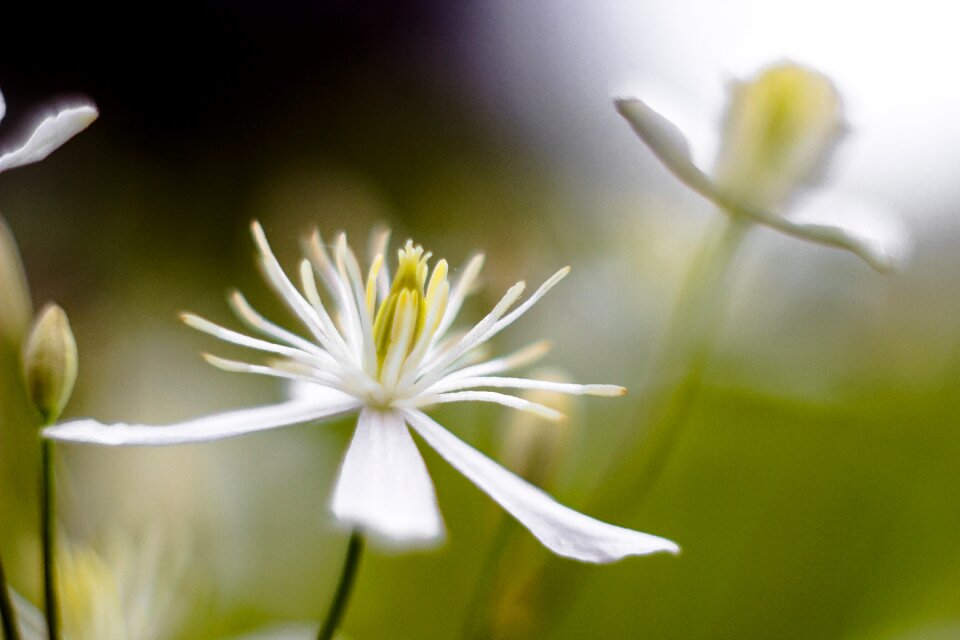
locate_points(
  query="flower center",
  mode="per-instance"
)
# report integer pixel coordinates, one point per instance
(408, 317)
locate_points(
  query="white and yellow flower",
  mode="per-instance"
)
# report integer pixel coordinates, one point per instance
(385, 350)
(778, 132)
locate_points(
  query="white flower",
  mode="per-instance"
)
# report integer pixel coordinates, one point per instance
(52, 132)
(778, 131)
(387, 353)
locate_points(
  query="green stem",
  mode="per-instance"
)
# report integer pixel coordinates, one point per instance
(8, 615)
(683, 358)
(677, 378)
(476, 622)
(342, 596)
(48, 524)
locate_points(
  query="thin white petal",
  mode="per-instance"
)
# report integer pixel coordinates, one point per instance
(487, 396)
(561, 529)
(667, 142)
(213, 427)
(524, 356)
(379, 240)
(384, 487)
(32, 624)
(234, 337)
(334, 340)
(512, 317)
(281, 284)
(317, 254)
(866, 229)
(3, 106)
(349, 270)
(52, 132)
(475, 382)
(459, 292)
(307, 375)
(249, 316)
(433, 370)
(284, 631)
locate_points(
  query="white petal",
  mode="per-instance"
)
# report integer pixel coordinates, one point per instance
(521, 357)
(667, 142)
(284, 631)
(213, 427)
(866, 229)
(249, 316)
(50, 134)
(433, 370)
(3, 106)
(31, 620)
(459, 293)
(561, 529)
(486, 396)
(384, 487)
(475, 382)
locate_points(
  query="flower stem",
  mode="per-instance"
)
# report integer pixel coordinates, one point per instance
(677, 378)
(48, 524)
(342, 596)
(477, 624)
(678, 373)
(8, 615)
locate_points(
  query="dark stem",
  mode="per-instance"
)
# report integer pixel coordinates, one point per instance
(48, 525)
(342, 597)
(8, 615)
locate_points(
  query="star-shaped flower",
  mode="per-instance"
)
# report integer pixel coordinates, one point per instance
(386, 351)
(49, 134)
(778, 132)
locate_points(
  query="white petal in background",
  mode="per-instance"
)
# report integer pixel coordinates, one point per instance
(384, 487)
(561, 529)
(213, 427)
(30, 619)
(292, 631)
(877, 234)
(52, 132)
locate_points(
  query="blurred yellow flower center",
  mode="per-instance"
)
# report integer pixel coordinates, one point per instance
(778, 129)
(788, 102)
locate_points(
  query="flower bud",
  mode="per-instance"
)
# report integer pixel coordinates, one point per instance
(50, 362)
(16, 309)
(778, 130)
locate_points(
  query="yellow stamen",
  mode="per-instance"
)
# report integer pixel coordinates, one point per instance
(407, 301)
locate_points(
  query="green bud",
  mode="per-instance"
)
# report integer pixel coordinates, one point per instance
(778, 130)
(16, 309)
(50, 362)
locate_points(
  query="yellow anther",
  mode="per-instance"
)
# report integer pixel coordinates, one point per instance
(406, 296)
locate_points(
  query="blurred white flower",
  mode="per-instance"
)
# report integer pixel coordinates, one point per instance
(49, 134)
(778, 132)
(386, 352)
(130, 591)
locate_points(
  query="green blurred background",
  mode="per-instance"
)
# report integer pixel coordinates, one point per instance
(815, 490)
